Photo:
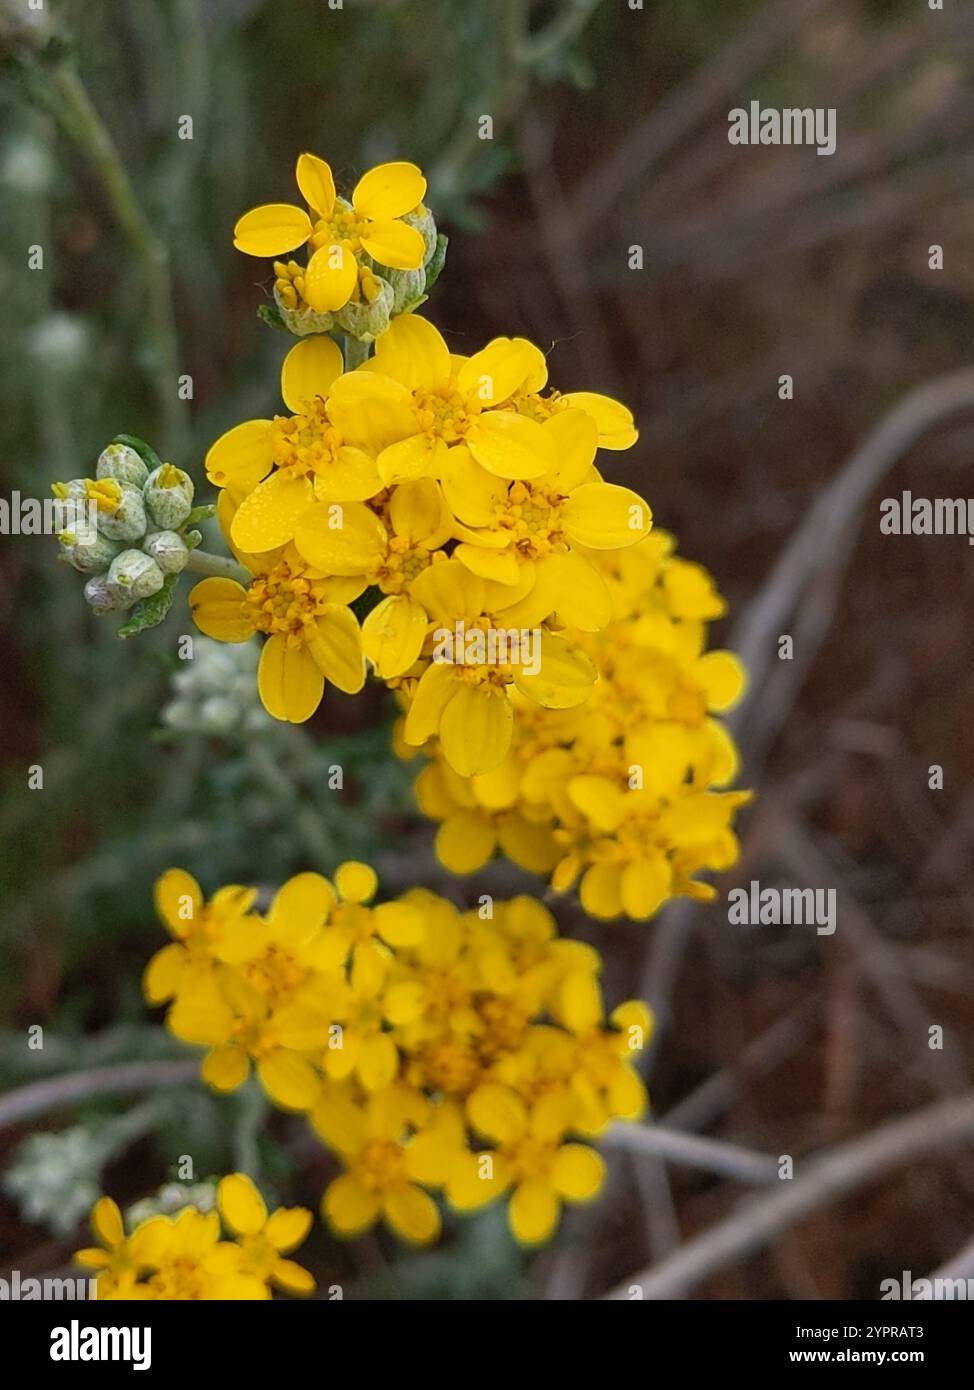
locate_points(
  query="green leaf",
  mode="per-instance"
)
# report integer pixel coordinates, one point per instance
(149, 612)
(436, 261)
(270, 313)
(145, 451)
(201, 513)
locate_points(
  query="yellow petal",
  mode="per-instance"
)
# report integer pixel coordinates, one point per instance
(492, 375)
(289, 1079)
(449, 591)
(572, 438)
(534, 1210)
(287, 1227)
(372, 410)
(336, 648)
(410, 459)
(241, 1205)
(356, 882)
(599, 891)
(161, 977)
(178, 900)
(317, 185)
(348, 1206)
(393, 634)
(340, 538)
(580, 1002)
(578, 1172)
(436, 687)
(394, 244)
(565, 677)
(605, 516)
(331, 277)
(498, 1113)
(290, 683)
(350, 476)
(302, 903)
(723, 678)
(412, 1214)
(242, 456)
(471, 492)
(613, 419)
(106, 1222)
(389, 190)
(378, 1062)
(400, 924)
(598, 798)
(309, 370)
(272, 229)
(219, 609)
(476, 728)
(500, 566)
(412, 352)
(292, 1277)
(646, 884)
(465, 841)
(266, 517)
(509, 445)
(225, 1068)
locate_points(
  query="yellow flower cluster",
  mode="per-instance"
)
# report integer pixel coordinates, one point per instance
(433, 1050)
(458, 493)
(186, 1257)
(624, 796)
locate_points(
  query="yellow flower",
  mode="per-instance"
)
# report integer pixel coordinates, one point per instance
(264, 1239)
(383, 1167)
(413, 401)
(276, 469)
(312, 634)
(198, 929)
(468, 706)
(505, 524)
(340, 231)
(530, 1157)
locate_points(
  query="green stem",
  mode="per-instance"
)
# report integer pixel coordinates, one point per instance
(202, 562)
(55, 83)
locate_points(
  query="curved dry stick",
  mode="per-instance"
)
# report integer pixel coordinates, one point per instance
(40, 1096)
(821, 547)
(694, 1151)
(832, 1176)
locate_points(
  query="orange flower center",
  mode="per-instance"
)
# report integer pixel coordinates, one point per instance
(381, 1164)
(306, 444)
(287, 602)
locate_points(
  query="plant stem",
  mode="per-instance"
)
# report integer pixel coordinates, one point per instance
(56, 85)
(41, 1096)
(202, 562)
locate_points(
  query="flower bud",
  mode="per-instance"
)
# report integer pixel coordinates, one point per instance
(99, 596)
(219, 715)
(74, 491)
(87, 557)
(408, 289)
(422, 219)
(121, 511)
(133, 575)
(366, 318)
(122, 463)
(169, 551)
(303, 320)
(168, 495)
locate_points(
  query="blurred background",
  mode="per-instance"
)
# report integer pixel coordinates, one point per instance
(609, 133)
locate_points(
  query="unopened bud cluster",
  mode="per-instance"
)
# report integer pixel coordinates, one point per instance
(216, 692)
(139, 516)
